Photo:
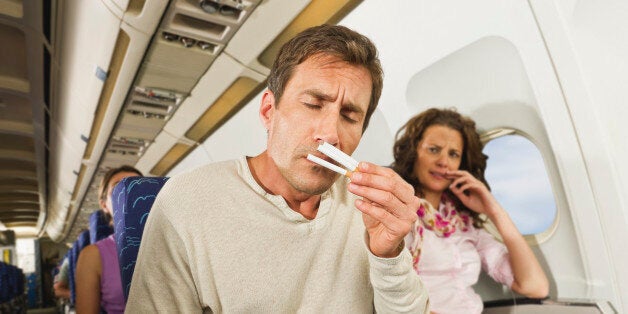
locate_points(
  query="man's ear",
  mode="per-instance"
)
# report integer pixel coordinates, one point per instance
(267, 108)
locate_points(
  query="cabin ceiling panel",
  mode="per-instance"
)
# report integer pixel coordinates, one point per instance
(14, 107)
(18, 197)
(16, 143)
(13, 68)
(12, 8)
(220, 76)
(261, 29)
(129, 50)
(18, 185)
(145, 15)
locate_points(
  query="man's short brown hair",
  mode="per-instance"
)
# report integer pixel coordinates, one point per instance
(339, 41)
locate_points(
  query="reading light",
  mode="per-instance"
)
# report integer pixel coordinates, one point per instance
(187, 42)
(170, 37)
(204, 45)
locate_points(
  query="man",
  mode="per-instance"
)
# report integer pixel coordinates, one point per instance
(277, 233)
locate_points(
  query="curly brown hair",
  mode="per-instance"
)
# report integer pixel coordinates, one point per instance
(339, 41)
(473, 160)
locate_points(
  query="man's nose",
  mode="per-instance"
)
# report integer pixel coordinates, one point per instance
(327, 128)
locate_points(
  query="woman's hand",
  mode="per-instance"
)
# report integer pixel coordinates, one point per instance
(529, 278)
(473, 193)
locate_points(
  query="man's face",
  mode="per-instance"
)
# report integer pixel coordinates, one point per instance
(326, 99)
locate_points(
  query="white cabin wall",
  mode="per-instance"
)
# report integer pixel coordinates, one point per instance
(428, 31)
(587, 45)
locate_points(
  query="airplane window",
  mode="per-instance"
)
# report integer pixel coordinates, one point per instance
(518, 179)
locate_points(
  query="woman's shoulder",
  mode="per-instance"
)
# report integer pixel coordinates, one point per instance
(89, 257)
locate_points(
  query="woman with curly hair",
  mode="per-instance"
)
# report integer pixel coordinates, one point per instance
(439, 152)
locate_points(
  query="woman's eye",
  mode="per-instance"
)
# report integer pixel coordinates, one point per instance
(433, 150)
(454, 155)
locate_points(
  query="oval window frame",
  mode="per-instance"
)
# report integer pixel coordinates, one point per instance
(532, 239)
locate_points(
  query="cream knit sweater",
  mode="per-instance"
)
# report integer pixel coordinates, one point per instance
(216, 242)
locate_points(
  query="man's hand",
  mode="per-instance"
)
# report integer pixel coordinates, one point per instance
(388, 207)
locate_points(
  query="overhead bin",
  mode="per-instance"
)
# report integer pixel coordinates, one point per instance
(258, 41)
(144, 15)
(261, 29)
(207, 20)
(225, 85)
(92, 83)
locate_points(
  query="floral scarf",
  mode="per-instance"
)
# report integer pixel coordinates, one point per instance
(443, 222)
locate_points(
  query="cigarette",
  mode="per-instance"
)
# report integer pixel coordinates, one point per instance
(338, 155)
(328, 165)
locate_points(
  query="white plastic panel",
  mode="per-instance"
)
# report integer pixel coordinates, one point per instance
(117, 7)
(164, 77)
(171, 66)
(580, 268)
(195, 24)
(218, 78)
(260, 30)
(132, 58)
(583, 39)
(148, 18)
(137, 126)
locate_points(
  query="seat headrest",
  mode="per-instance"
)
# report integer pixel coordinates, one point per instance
(132, 200)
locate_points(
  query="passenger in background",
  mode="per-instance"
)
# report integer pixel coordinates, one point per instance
(61, 280)
(440, 153)
(276, 233)
(98, 283)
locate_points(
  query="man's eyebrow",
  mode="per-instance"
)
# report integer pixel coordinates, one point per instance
(318, 94)
(324, 97)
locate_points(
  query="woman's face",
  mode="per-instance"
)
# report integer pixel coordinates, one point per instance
(112, 183)
(439, 150)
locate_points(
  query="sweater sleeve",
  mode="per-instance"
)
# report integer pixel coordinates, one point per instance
(162, 281)
(397, 288)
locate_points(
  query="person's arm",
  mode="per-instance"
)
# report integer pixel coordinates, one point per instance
(162, 281)
(529, 278)
(88, 271)
(389, 211)
(61, 290)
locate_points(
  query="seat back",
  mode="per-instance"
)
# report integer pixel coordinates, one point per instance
(77, 247)
(99, 227)
(132, 199)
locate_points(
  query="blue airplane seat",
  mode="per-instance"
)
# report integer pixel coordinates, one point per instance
(99, 227)
(80, 243)
(132, 200)
(10, 285)
(4, 282)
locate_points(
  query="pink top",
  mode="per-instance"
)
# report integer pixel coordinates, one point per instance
(111, 297)
(449, 267)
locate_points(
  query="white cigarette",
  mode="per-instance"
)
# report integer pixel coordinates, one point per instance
(326, 164)
(338, 155)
